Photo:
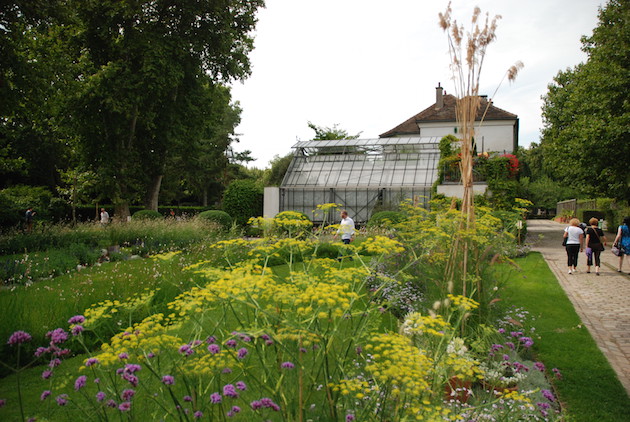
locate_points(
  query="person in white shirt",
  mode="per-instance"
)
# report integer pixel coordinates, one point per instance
(346, 228)
(104, 216)
(575, 238)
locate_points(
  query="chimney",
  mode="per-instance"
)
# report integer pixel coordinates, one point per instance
(439, 98)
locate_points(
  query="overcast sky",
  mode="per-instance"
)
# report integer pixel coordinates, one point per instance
(368, 65)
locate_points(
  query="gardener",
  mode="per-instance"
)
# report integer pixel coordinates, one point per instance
(346, 228)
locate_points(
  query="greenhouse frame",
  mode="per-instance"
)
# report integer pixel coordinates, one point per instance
(363, 175)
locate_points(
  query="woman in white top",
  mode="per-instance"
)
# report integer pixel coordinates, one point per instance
(575, 238)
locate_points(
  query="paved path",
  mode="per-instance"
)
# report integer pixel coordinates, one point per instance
(603, 303)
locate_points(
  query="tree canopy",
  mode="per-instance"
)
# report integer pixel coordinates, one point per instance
(132, 91)
(586, 112)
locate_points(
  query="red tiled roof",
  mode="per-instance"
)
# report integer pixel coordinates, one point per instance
(446, 114)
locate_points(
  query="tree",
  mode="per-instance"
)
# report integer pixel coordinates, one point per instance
(148, 68)
(279, 167)
(330, 133)
(586, 113)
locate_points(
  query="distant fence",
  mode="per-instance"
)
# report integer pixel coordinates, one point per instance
(575, 206)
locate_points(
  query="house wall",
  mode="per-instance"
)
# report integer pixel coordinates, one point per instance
(491, 136)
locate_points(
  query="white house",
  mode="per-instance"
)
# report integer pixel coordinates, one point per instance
(498, 132)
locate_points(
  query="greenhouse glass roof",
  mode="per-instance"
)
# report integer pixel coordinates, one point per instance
(381, 162)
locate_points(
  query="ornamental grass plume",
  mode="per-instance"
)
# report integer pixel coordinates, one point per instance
(467, 51)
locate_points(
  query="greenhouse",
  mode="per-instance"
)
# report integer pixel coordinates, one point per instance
(364, 175)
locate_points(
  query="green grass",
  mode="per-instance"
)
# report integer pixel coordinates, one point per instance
(589, 390)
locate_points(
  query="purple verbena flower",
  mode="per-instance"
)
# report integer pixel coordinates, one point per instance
(132, 368)
(57, 336)
(41, 351)
(100, 396)
(557, 373)
(168, 380)
(19, 337)
(287, 365)
(543, 405)
(62, 399)
(214, 349)
(111, 403)
(124, 406)
(256, 404)
(3, 402)
(198, 414)
(226, 370)
(77, 319)
(77, 329)
(80, 382)
(228, 390)
(123, 356)
(91, 361)
(45, 394)
(187, 399)
(186, 349)
(510, 345)
(211, 340)
(230, 343)
(54, 363)
(349, 417)
(548, 395)
(47, 374)
(241, 385)
(127, 394)
(215, 398)
(539, 366)
(242, 352)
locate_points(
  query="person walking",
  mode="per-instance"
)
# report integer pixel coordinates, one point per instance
(346, 228)
(104, 217)
(28, 218)
(574, 244)
(622, 241)
(594, 243)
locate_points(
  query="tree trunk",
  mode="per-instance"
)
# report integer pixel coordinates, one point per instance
(204, 200)
(121, 210)
(153, 193)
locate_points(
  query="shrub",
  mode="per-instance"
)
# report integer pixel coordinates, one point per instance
(15, 200)
(243, 199)
(220, 217)
(386, 219)
(146, 215)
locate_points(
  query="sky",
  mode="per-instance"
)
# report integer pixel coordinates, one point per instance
(369, 65)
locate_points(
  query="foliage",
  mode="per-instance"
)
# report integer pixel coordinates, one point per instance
(242, 200)
(220, 217)
(279, 167)
(586, 113)
(305, 341)
(15, 200)
(385, 219)
(330, 133)
(146, 215)
(545, 192)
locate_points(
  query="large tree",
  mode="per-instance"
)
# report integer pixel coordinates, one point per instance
(149, 65)
(586, 112)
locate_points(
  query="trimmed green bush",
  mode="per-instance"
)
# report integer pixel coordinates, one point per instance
(386, 219)
(220, 217)
(146, 215)
(243, 199)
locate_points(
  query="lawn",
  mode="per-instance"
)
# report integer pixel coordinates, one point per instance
(589, 389)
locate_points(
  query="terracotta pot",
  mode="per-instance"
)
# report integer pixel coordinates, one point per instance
(457, 389)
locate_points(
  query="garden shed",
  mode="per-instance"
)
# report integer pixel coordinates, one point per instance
(363, 175)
